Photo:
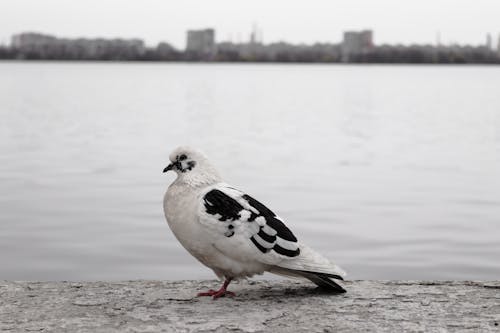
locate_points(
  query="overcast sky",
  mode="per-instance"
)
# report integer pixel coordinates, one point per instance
(393, 21)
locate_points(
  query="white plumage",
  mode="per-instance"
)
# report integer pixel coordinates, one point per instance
(231, 232)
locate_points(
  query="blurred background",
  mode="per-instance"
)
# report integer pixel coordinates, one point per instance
(372, 129)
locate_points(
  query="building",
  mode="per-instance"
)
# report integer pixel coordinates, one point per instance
(39, 46)
(356, 43)
(489, 42)
(31, 40)
(201, 43)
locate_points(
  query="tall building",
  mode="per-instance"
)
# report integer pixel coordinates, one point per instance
(256, 35)
(356, 43)
(489, 43)
(201, 42)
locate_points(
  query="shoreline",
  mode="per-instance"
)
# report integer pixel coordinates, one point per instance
(250, 63)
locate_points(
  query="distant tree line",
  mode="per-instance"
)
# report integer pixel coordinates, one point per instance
(134, 50)
(427, 55)
(163, 52)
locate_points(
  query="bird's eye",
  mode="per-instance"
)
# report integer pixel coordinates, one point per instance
(182, 157)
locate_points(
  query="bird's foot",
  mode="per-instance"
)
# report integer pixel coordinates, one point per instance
(217, 293)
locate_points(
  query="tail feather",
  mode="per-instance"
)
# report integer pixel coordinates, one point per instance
(322, 280)
(333, 276)
(311, 261)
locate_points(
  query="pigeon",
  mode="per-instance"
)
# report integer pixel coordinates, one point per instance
(232, 233)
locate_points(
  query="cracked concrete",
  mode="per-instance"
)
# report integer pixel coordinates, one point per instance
(260, 306)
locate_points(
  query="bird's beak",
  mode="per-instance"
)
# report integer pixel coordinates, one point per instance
(169, 167)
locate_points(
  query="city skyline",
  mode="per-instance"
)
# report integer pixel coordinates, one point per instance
(305, 22)
(356, 47)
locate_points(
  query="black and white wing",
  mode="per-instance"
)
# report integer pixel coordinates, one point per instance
(246, 230)
(238, 214)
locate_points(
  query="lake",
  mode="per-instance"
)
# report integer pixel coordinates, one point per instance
(391, 171)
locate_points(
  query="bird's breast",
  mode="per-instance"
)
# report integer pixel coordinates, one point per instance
(181, 207)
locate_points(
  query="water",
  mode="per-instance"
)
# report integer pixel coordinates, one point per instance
(392, 171)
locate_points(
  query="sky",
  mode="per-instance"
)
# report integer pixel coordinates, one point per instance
(296, 21)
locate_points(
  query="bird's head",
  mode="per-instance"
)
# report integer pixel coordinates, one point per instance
(192, 167)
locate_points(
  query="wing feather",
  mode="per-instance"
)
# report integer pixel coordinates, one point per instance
(249, 231)
(250, 223)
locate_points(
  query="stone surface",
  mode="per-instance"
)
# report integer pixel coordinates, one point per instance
(261, 306)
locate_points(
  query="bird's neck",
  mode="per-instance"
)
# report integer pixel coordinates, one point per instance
(198, 179)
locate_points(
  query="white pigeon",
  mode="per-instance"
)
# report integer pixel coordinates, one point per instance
(231, 232)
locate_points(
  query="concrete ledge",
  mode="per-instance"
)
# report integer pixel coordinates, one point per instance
(271, 306)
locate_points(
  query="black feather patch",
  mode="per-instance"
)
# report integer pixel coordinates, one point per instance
(263, 210)
(260, 247)
(268, 238)
(280, 227)
(217, 202)
(286, 252)
(274, 223)
(227, 209)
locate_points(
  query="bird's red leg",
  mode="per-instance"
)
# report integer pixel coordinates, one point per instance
(221, 292)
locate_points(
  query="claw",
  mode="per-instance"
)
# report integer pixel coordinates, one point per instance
(223, 293)
(211, 292)
(218, 293)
